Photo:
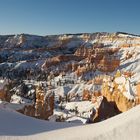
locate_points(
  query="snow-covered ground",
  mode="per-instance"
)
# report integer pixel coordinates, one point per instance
(14, 126)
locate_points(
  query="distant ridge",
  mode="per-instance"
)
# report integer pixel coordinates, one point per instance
(78, 34)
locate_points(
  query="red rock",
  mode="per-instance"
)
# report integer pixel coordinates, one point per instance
(86, 95)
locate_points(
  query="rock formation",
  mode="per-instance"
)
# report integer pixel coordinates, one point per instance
(118, 93)
(106, 110)
(2, 95)
(86, 95)
(44, 104)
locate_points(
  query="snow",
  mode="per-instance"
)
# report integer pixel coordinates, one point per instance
(129, 92)
(78, 88)
(3, 83)
(16, 103)
(29, 64)
(77, 120)
(131, 65)
(83, 106)
(13, 106)
(62, 90)
(120, 80)
(71, 106)
(15, 99)
(15, 124)
(123, 126)
(53, 118)
(125, 86)
(115, 128)
(60, 113)
(127, 35)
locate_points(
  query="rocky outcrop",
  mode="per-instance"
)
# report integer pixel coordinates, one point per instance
(44, 104)
(121, 40)
(28, 110)
(86, 95)
(122, 103)
(108, 64)
(106, 110)
(117, 92)
(42, 107)
(138, 89)
(60, 59)
(100, 58)
(138, 93)
(91, 95)
(2, 95)
(83, 51)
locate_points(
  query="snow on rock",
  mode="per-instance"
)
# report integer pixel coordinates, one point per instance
(76, 120)
(127, 35)
(85, 106)
(123, 82)
(129, 92)
(3, 83)
(81, 107)
(53, 118)
(11, 106)
(131, 64)
(59, 113)
(79, 88)
(15, 99)
(74, 89)
(62, 90)
(120, 80)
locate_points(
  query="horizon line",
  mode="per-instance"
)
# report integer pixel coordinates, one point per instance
(57, 34)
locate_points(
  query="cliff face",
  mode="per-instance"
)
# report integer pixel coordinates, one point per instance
(28, 110)
(2, 95)
(44, 104)
(60, 59)
(106, 110)
(95, 58)
(123, 104)
(120, 93)
(119, 40)
(102, 59)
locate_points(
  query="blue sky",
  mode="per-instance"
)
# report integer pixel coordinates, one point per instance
(45, 17)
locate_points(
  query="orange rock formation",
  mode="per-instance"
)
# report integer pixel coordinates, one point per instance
(44, 104)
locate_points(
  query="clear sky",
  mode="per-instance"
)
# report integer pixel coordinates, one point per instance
(45, 17)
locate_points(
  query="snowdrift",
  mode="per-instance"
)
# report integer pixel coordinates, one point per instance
(16, 126)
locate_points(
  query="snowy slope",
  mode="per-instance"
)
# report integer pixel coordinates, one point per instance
(122, 127)
(16, 124)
